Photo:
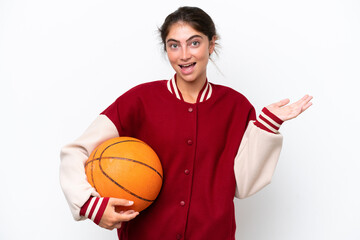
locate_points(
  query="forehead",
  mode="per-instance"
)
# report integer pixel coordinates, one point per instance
(182, 31)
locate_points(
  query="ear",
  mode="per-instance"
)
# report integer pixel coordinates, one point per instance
(212, 44)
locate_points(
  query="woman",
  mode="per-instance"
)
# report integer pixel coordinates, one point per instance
(210, 144)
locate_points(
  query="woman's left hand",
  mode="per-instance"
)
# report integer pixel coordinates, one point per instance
(286, 112)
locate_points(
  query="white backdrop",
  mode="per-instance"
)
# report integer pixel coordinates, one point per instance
(62, 62)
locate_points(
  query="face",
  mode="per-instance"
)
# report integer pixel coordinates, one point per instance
(188, 51)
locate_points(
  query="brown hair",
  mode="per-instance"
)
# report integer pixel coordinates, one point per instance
(194, 16)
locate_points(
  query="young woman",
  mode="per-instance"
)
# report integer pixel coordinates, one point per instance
(210, 144)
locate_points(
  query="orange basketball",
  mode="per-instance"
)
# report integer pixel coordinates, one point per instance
(126, 168)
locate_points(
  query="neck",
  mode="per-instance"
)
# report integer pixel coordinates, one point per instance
(190, 90)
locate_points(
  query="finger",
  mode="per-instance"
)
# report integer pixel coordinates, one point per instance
(120, 202)
(305, 99)
(110, 225)
(282, 102)
(304, 102)
(127, 216)
(113, 226)
(301, 103)
(116, 219)
(306, 106)
(129, 212)
(308, 99)
(118, 225)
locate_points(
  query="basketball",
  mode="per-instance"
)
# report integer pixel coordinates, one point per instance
(126, 168)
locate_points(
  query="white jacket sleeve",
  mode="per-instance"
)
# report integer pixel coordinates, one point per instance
(73, 156)
(256, 160)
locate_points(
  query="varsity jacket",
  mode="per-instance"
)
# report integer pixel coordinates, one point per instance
(210, 151)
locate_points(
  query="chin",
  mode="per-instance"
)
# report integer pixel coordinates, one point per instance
(193, 77)
(187, 78)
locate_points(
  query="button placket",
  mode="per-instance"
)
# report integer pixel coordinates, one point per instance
(190, 141)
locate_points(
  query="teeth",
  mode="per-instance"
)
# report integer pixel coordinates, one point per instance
(188, 65)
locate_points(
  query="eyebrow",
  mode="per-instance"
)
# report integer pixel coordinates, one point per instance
(190, 38)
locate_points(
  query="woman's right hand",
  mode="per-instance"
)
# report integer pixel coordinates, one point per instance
(112, 219)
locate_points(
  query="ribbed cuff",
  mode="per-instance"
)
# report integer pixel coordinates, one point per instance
(268, 121)
(94, 208)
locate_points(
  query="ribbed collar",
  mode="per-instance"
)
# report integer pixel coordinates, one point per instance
(204, 94)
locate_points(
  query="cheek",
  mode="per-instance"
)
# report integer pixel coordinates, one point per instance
(202, 55)
(170, 56)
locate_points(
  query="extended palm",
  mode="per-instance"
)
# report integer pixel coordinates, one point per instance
(286, 112)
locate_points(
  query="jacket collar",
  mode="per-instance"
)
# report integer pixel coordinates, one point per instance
(204, 94)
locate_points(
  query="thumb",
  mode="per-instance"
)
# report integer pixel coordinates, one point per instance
(282, 102)
(120, 202)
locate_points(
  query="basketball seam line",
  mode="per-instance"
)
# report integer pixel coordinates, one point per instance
(125, 159)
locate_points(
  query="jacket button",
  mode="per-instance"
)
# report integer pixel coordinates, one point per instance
(189, 142)
(190, 109)
(178, 236)
(182, 203)
(187, 171)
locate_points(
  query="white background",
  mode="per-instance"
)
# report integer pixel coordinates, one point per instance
(63, 62)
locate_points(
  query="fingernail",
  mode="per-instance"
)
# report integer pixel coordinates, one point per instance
(131, 202)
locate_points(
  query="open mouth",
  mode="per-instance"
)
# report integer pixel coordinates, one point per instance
(188, 65)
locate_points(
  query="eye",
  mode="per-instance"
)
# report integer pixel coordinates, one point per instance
(195, 43)
(173, 45)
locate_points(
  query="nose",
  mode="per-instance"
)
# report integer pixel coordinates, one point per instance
(186, 55)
